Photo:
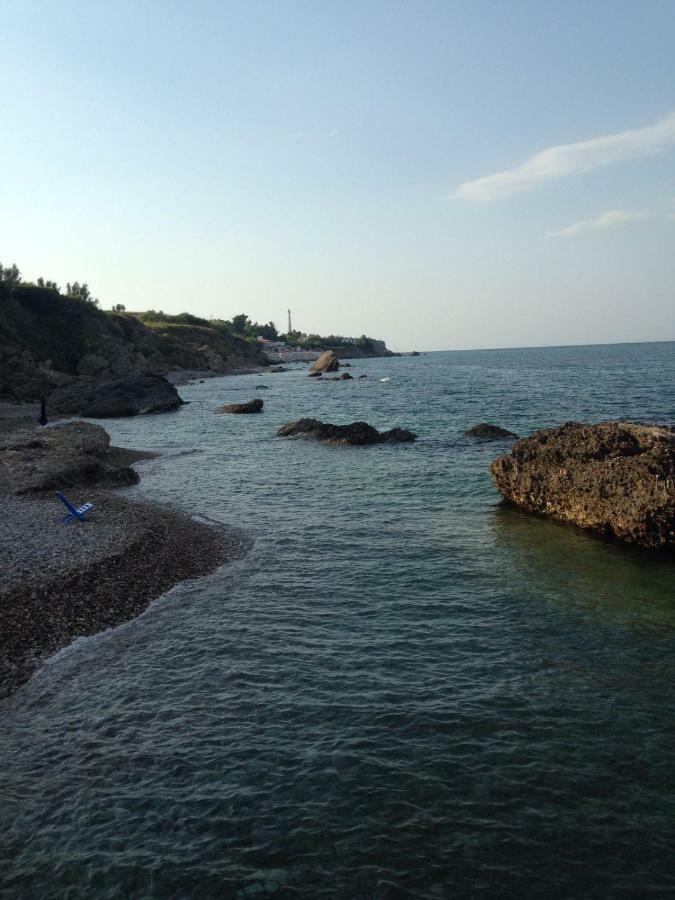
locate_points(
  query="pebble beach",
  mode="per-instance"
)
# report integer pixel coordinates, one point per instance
(61, 581)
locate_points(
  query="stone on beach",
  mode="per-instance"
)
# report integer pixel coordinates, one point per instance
(327, 362)
(614, 478)
(133, 396)
(59, 457)
(356, 433)
(251, 406)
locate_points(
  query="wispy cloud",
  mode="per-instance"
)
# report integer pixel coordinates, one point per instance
(613, 218)
(571, 159)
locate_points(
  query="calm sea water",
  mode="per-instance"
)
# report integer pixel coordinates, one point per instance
(404, 690)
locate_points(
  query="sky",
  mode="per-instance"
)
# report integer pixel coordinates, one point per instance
(442, 175)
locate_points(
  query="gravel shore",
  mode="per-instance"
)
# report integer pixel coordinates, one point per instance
(59, 582)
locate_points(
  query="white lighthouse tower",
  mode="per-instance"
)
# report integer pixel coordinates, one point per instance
(290, 327)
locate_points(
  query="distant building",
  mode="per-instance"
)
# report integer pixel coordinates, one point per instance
(271, 345)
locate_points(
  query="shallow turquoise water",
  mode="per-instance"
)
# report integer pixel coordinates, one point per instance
(404, 690)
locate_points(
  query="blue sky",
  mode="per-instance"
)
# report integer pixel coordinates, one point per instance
(440, 174)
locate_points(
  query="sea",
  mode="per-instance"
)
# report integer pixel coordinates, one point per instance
(404, 690)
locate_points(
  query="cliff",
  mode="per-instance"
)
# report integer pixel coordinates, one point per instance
(48, 340)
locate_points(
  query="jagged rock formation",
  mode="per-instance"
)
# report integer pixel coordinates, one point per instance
(253, 406)
(327, 362)
(489, 432)
(133, 396)
(615, 478)
(356, 433)
(60, 457)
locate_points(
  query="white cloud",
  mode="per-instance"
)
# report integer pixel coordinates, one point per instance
(613, 218)
(571, 159)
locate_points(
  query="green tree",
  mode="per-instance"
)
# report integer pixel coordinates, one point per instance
(81, 292)
(10, 275)
(119, 308)
(239, 323)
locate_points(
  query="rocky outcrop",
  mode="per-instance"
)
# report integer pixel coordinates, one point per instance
(489, 432)
(345, 377)
(48, 340)
(60, 457)
(252, 406)
(614, 478)
(356, 433)
(133, 396)
(327, 362)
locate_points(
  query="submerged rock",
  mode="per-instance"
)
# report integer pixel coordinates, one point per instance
(252, 406)
(61, 457)
(315, 374)
(356, 433)
(345, 377)
(275, 370)
(488, 432)
(614, 478)
(327, 362)
(133, 396)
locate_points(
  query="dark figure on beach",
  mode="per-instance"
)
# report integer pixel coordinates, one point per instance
(43, 411)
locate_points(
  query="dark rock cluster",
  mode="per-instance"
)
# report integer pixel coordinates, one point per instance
(489, 432)
(251, 406)
(356, 433)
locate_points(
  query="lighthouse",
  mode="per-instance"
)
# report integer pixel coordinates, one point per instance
(290, 327)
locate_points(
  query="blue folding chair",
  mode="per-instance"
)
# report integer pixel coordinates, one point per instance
(74, 512)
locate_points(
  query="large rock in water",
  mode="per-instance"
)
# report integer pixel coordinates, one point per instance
(133, 396)
(357, 433)
(60, 457)
(615, 478)
(327, 362)
(252, 406)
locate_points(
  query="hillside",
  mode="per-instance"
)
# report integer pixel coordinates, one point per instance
(48, 339)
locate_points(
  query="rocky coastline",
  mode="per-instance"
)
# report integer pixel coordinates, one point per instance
(60, 582)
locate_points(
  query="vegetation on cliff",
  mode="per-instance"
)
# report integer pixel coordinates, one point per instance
(49, 338)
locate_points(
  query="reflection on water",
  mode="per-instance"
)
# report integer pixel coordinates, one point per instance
(559, 563)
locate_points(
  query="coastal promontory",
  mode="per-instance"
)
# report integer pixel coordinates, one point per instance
(614, 478)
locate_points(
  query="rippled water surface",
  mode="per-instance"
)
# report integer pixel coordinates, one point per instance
(404, 690)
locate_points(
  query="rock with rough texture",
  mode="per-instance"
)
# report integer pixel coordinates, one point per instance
(345, 377)
(133, 396)
(614, 478)
(61, 457)
(252, 406)
(489, 432)
(356, 433)
(315, 374)
(327, 362)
